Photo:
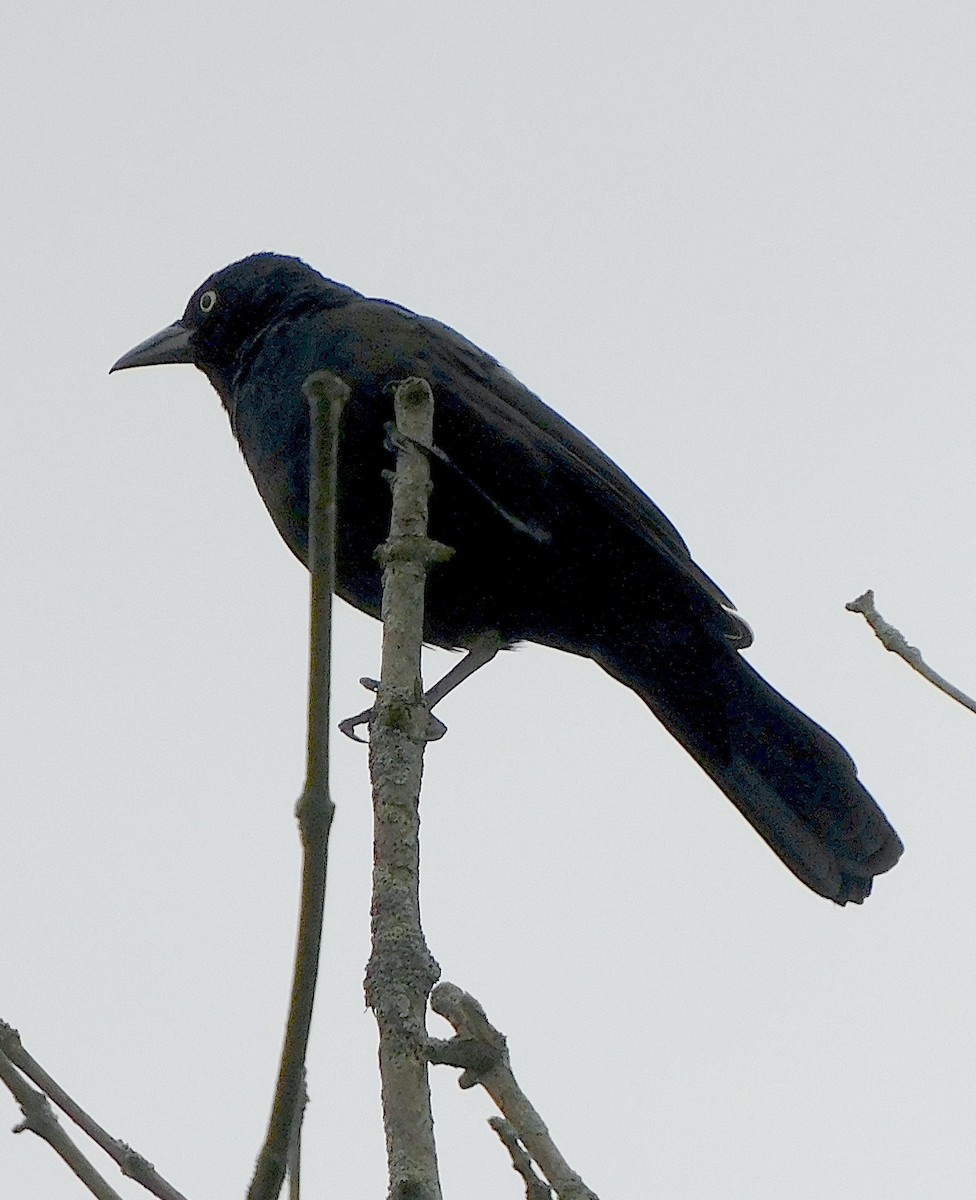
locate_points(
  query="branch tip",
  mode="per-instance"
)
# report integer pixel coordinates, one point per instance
(894, 640)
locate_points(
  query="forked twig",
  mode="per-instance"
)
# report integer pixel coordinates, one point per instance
(536, 1187)
(39, 1118)
(483, 1052)
(16, 1062)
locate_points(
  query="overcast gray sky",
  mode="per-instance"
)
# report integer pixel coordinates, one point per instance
(734, 243)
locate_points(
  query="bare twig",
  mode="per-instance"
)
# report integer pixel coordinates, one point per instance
(470, 1023)
(326, 396)
(39, 1118)
(401, 970)
(129, 1162)
(536, 1188)
(895, 641)
(295, 1147)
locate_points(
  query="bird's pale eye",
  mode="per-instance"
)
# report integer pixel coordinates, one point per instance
(208, 301)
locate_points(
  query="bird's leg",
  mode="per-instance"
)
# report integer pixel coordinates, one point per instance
(481, 651)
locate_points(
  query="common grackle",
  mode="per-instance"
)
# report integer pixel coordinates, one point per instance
(553, 542)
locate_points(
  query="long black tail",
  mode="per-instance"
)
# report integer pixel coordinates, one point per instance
(789, 778)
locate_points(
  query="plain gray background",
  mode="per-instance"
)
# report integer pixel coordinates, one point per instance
(733, 242)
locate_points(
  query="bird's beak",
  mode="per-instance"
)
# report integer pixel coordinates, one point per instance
(174, 344)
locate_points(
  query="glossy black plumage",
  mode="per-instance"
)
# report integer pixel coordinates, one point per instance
(553, 543)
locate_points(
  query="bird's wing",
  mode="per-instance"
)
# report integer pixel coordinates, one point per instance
(522, 418)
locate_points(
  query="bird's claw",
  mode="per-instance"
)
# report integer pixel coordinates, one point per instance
(351, 724)
(435, 728)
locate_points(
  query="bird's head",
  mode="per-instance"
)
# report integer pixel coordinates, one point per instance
(226, 311)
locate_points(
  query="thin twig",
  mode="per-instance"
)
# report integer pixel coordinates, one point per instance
(469, 1021)
(39, 1118)
(401, 970)
(895, 641)
(295, 1148)
(326, 396)
(536, 1188)
(129, 1162)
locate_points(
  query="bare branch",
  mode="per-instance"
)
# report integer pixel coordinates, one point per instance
(295, 1147)
(470, 1023)
(536, 1188)
(326, 396)
(401, 970)
(895, 641)
(129, 1162)
(39, 1118)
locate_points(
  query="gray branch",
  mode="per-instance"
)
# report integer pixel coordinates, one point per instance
(326, 396)
(39, 1118)
(401, 969)
(536, 1187)
(471, 1025)
(895, 641)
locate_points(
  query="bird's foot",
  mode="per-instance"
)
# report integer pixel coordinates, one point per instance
(435, 728)
(351, 724)
(480, 651)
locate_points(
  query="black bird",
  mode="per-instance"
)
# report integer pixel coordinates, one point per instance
(553, 542)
